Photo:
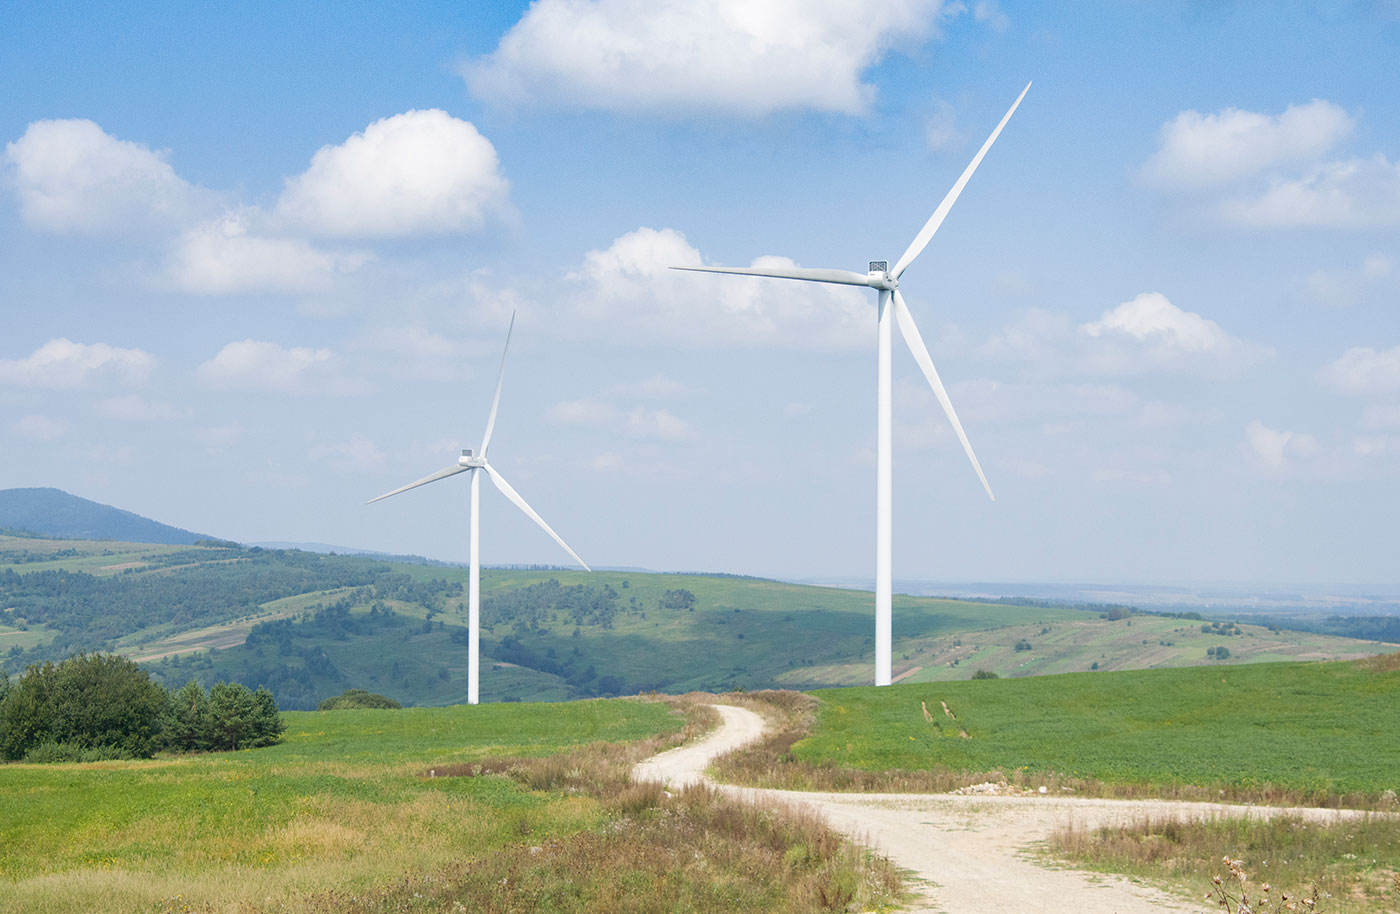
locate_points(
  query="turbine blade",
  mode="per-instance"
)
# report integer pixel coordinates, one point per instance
(916, 247)
(496, 401)
(440, 474)
(916, 346)
(842, 277)
(514, 496)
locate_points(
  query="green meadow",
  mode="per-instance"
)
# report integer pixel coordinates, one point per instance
(340, 805)
(1315, 731)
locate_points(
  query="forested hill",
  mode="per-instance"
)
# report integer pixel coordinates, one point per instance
(310, 626)
(53, 512)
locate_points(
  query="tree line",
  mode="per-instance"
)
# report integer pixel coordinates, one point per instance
(91, 707)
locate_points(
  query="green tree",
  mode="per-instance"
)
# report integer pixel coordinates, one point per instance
(187, 723)
(89, 703)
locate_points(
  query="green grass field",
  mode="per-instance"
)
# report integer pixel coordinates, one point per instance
(1315, 730)
(339, 804)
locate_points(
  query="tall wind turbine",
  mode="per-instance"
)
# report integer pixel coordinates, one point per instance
(886, 281)
(471, 463)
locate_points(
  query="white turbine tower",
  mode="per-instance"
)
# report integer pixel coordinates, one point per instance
(469, 462)
(886, 281)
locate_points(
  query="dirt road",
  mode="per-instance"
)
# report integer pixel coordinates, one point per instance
(970, 853)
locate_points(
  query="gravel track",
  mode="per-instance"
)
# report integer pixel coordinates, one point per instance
(967, 853)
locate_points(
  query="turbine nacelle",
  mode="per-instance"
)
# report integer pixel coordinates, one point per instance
(879, 276)
(470, 462)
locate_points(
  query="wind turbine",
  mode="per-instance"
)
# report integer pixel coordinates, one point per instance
(471, 463)
(886, 281)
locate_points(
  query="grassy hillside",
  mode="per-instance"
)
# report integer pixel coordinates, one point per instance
(1317, 730)
(340, 803)
(309, 626)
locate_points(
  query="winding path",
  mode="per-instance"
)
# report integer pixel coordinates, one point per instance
(968, 853)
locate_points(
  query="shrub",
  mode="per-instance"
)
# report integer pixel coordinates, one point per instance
(359, 698)
(90, 701)
(985, 674)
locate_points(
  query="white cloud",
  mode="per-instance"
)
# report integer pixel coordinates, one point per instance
(636, 422)
(223, 257)
(40, 428)
(1363, 370)
(414, 173)
(1270, 172)
(64, 364)
(1153, 321)
(941, 127)
(606, 462)
(135, 408)
(1198, 151)
(256, 365)
(1147, 333)
(1273, 449)
(414, 351)
(1351, 194)
(989, 11)
(725, 55)
(628, 290)
(1346, 287)
(72, 176)
(358, 455)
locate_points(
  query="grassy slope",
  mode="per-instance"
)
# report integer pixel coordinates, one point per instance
(783, 635)
(338, 804)
(1314, 728)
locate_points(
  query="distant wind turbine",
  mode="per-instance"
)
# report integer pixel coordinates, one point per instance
(471, 463)
(886, 281)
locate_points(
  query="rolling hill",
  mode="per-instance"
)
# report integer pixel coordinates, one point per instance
(309, 626)
(53, 512)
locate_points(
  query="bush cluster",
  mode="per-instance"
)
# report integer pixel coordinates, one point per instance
(101, 706)
(357, 698)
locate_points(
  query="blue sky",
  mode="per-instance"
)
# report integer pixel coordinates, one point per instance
(256, 265)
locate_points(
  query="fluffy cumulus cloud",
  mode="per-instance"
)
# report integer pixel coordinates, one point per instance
(1363, 371)
(257, 365)
(1349, 194)
(1198, 150)
(1275, 449)
(1275, 171)
(1151, 332)
(1147, 333)
(628, 290)
(414, 173)
(64, 364)
(725, 55)
(72, 176)
(225, 257)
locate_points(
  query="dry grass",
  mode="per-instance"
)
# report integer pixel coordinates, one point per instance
(696, 850)
(1352, 863)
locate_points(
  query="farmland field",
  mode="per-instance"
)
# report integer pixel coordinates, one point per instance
(340, 803)
(1317, 731)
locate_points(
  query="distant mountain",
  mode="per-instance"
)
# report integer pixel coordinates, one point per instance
(53, 512)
